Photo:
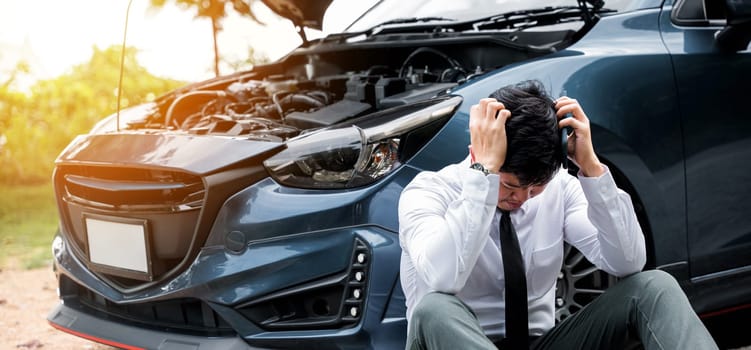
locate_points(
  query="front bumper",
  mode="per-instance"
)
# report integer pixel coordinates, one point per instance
(125, 336)
(281, 268)
(219, 288)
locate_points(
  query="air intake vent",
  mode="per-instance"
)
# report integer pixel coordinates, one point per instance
(334, 302)
(188, 316)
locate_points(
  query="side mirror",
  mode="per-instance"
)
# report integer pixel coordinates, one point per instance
(737, 33)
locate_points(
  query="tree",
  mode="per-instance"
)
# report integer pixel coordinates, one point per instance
(215, 10)
(11, 104)
(22, 67)
(36, 126)
(252, 58)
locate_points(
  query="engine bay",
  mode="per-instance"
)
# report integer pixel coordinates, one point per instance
(331, 81)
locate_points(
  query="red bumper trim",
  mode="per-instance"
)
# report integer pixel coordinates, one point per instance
(725, 311)
(93, 338)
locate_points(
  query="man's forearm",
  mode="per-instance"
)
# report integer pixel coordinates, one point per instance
(612, 213)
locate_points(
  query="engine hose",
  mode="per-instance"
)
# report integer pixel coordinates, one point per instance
(168, 116)
(301, 99)
(248, 105)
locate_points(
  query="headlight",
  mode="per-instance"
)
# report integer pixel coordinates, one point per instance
(357, 152)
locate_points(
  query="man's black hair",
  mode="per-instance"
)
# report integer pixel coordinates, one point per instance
(534, 152)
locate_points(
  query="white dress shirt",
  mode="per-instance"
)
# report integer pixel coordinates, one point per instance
(449, 234)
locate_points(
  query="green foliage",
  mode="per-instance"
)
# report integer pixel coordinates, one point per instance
(22, 67)
(252, 58)
(35, 127)
(28, 218)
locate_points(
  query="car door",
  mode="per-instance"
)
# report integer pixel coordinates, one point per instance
(713, 82)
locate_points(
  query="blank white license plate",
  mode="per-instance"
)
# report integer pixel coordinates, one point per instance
(117, 244)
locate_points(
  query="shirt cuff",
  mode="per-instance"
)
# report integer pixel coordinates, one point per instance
(599, 189)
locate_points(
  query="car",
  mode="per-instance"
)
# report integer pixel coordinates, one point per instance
(259, 209)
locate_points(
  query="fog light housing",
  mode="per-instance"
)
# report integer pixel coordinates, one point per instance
(332, 302)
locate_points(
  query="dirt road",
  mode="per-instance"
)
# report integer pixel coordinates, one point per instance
(26, 296)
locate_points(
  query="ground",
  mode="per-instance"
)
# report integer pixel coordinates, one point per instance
(26, 297)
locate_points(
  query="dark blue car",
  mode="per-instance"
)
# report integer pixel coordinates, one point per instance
(259, 210)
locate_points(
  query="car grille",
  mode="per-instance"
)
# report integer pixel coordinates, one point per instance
(169, 201)
(132, 189)
(187, 316)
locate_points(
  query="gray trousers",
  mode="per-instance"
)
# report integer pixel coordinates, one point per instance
(646, 309)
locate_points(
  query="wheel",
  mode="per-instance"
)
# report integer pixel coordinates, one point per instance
(579, 282)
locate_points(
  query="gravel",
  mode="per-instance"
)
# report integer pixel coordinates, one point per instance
(26, 297)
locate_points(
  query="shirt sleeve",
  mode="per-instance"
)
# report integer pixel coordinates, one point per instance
(444, 220)
(600, 221)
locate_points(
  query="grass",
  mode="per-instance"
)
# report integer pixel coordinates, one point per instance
(28, 220)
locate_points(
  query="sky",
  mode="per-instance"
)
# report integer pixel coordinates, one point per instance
(53, 35)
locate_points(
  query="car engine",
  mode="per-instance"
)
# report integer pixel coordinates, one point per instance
(333, 80)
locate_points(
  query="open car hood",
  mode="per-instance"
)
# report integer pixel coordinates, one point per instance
(304, 13)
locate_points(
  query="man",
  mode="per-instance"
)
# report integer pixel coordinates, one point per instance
(451, 223)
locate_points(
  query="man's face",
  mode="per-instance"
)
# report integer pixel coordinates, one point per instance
(511, 194)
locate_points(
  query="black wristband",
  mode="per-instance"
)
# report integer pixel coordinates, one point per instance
(480, 167)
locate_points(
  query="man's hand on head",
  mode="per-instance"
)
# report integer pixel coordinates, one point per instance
(579, 148)
(487, 129)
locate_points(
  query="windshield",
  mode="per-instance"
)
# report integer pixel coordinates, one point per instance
(354, 16)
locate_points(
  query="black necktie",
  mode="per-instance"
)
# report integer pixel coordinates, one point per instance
(517, 332)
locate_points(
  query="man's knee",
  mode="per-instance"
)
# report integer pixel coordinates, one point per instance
(434, 305)
(654, 283)
(437, 306)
